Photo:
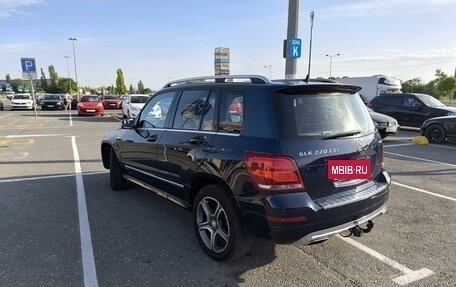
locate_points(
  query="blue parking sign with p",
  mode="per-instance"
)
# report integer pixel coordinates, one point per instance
(28, 68)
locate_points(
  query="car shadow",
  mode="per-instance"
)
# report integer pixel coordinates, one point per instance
(146, 240)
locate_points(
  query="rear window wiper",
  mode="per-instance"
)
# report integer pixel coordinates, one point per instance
(343, 134)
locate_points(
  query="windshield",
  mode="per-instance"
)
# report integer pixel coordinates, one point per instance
(21, 97)
(110, 97)
(52, 97)
(90, 99)
(430, 101)
(139, 99)
(323, 115)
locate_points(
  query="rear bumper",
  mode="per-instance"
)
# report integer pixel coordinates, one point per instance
(322, 235)
(295, 217)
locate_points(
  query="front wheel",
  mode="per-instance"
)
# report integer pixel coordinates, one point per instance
(435, 133)
(117, 180)
(218, 226)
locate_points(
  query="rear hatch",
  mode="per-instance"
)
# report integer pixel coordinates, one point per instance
(322, 123)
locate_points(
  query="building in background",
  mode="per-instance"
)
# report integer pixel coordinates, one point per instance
(222, 61)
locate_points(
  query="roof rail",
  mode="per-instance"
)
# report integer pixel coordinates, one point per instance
(254, 79)
(298, 81)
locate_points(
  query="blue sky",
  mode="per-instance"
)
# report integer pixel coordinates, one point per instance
(156, 41)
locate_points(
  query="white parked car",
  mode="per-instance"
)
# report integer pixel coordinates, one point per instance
(133, 104)
(21, 102)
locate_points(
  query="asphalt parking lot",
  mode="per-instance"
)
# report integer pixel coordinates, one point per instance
(62, 225)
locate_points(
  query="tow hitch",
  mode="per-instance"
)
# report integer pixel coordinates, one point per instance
(357, 231)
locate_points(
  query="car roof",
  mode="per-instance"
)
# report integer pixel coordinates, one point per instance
(310, 84)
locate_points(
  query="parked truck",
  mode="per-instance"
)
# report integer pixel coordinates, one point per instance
(373, 86)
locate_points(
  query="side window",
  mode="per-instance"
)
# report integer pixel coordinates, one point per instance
(232, 112)
(395, 101)
(209, 121)
(155, 112)
(410, 102)
(389, 101)
(194, 105)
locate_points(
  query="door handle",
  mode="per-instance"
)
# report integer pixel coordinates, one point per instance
(199, 140)
(152, 138)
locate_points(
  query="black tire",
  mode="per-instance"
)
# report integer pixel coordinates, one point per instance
(435, 133)
(217, 224)
(116, 178)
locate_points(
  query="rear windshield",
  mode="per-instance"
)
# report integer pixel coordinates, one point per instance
(322, 115)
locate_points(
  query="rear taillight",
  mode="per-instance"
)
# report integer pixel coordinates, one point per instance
(273, 173)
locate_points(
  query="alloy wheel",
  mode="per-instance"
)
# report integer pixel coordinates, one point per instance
(213, 224)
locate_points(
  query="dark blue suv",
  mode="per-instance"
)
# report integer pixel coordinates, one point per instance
(255, 158)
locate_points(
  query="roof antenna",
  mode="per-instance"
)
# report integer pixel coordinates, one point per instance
(307, 79)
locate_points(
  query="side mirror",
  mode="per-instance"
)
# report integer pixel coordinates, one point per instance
(128, 123)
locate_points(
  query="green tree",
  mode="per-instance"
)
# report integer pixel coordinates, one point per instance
(111, 89)
(120, 83)
(67, 85)
(447, 86)
(16, 83)
(132, 90)
(8, 78)
(140, 87)
(413, 86)
(54, 77)
(147, 91)
(440, 75)
(43, 81)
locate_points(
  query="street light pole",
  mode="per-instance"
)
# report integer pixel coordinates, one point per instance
(270, 70)
(68, 68)
(312, 15)
(292, 32)
(75, 69)
(331, 62)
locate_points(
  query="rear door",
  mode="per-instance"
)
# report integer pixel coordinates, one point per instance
(390, 105)
(183, 147)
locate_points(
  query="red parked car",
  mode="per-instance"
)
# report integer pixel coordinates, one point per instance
(90, 105)
(112, 102)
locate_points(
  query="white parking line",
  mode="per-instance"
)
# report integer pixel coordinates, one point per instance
(424, 191)
(14, 156)
(27, 136)
(409, 274)
(47, 176)
(7, 115)
(71, 120)
(394, 145)
(443, 146)
(422, 159)
(88, 261)
(407, 144)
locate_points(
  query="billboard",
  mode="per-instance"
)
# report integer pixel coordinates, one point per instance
(222, 61)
